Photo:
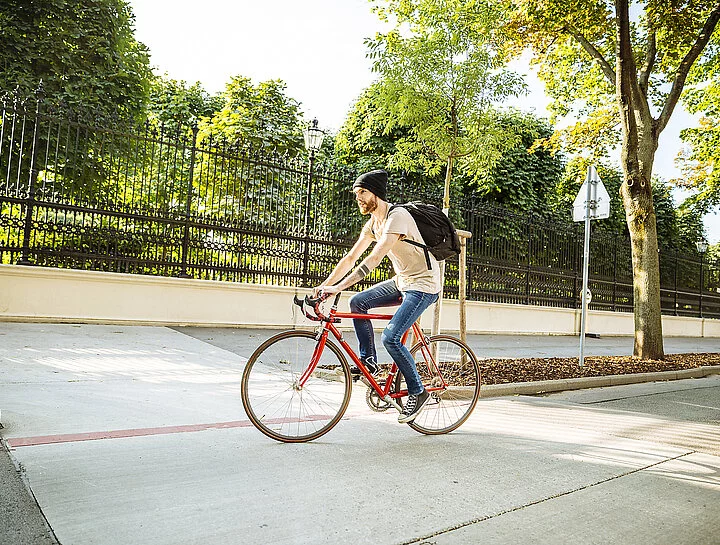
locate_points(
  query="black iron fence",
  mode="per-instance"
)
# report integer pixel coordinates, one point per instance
(174, 201)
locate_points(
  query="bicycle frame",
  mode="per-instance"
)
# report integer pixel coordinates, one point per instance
(328, 327)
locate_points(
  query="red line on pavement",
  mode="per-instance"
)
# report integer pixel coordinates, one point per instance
(16, 442)
(117, 434)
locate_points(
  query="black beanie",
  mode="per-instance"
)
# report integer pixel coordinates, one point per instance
(374, 181)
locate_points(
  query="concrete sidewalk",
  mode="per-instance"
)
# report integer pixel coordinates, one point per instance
(136, 435)
(244, 341)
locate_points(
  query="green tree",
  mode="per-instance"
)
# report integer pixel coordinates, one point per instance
(440, 74)
(616, 71)
(699, 162)
(174, 102)
(525, 176)
(84, 52)
(94, 73)
(260, 115)
(364, 142)
(678, 227)
(370, 138)
(253, 124)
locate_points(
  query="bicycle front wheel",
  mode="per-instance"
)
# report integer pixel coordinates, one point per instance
(275, 401)
(450, 372)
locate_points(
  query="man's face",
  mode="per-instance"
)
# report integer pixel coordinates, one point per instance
(367, 200)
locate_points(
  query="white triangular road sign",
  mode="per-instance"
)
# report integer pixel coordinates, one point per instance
(599, 202)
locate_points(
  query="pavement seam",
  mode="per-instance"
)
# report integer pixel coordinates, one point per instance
(423, 540)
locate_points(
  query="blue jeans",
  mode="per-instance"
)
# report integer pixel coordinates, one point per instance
(412, 305)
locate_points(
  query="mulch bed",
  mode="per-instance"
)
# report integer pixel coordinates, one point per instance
(502, 371)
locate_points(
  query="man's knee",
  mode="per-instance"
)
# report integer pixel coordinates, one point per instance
(390, 338)
(357, 304)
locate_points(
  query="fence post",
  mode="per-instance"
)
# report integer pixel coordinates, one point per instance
(675, 285)
(462, 282)
(30, 202)
(614, 295)
(702, 259)
(186, 234)
(529, 249)
(306, 224)
(577, 267)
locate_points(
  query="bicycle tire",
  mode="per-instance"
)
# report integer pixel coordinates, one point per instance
(274, 402)
(459, 369)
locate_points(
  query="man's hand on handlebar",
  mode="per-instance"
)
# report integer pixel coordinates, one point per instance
(324, 291)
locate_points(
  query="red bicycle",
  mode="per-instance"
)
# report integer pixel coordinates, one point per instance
(297, 385)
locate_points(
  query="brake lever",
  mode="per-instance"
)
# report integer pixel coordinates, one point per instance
(301, 303)
(316, 301)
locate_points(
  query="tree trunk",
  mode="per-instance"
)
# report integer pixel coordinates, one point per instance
(638, 153)
(446, 208)
(640, 140)
(641, 221)
(448, 182)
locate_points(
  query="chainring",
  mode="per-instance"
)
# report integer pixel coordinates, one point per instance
(375, 402)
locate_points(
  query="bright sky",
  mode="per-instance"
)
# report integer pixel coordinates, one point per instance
(315, 46)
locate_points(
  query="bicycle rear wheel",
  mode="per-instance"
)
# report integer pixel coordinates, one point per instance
(449, 370)
(278, 405)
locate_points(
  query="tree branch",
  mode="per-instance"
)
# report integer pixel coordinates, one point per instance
(629, 87)
(684, 68)
(650, 56)
(593, 52)
(626, 84)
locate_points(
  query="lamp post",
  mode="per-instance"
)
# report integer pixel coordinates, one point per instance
(27, 224)
(702, 247)
(313, 142)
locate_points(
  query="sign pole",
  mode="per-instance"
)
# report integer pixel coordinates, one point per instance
(586, 267)
(593, 205)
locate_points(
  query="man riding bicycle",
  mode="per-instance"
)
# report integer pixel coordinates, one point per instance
(414, 287)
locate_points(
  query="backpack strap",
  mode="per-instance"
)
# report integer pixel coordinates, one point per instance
(418, 244)
(425, 248)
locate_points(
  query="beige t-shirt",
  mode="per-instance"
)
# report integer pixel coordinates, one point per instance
(408, 261)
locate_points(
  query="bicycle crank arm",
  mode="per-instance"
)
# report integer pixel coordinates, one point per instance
(392, 402)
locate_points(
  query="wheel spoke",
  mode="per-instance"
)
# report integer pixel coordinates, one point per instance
(273, 399)
(448, 364)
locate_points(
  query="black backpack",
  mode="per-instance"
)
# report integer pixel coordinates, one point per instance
(436, 229)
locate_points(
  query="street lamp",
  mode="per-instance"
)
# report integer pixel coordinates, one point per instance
(313, 138)
(313, 142)
(702, 247)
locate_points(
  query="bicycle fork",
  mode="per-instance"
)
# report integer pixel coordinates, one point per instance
(319, 347)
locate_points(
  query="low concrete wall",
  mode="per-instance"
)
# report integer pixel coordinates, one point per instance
(63, 295)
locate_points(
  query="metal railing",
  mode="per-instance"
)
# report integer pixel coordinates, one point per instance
(174, 201)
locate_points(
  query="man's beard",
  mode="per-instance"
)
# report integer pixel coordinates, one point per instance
(368, 207)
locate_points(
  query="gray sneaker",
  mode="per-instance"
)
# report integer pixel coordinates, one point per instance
(414, 405)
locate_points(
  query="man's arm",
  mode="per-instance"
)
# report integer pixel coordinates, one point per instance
(368, 264)
(345, 264)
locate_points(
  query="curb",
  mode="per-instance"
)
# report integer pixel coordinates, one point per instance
(545, 386)
(21, 519)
